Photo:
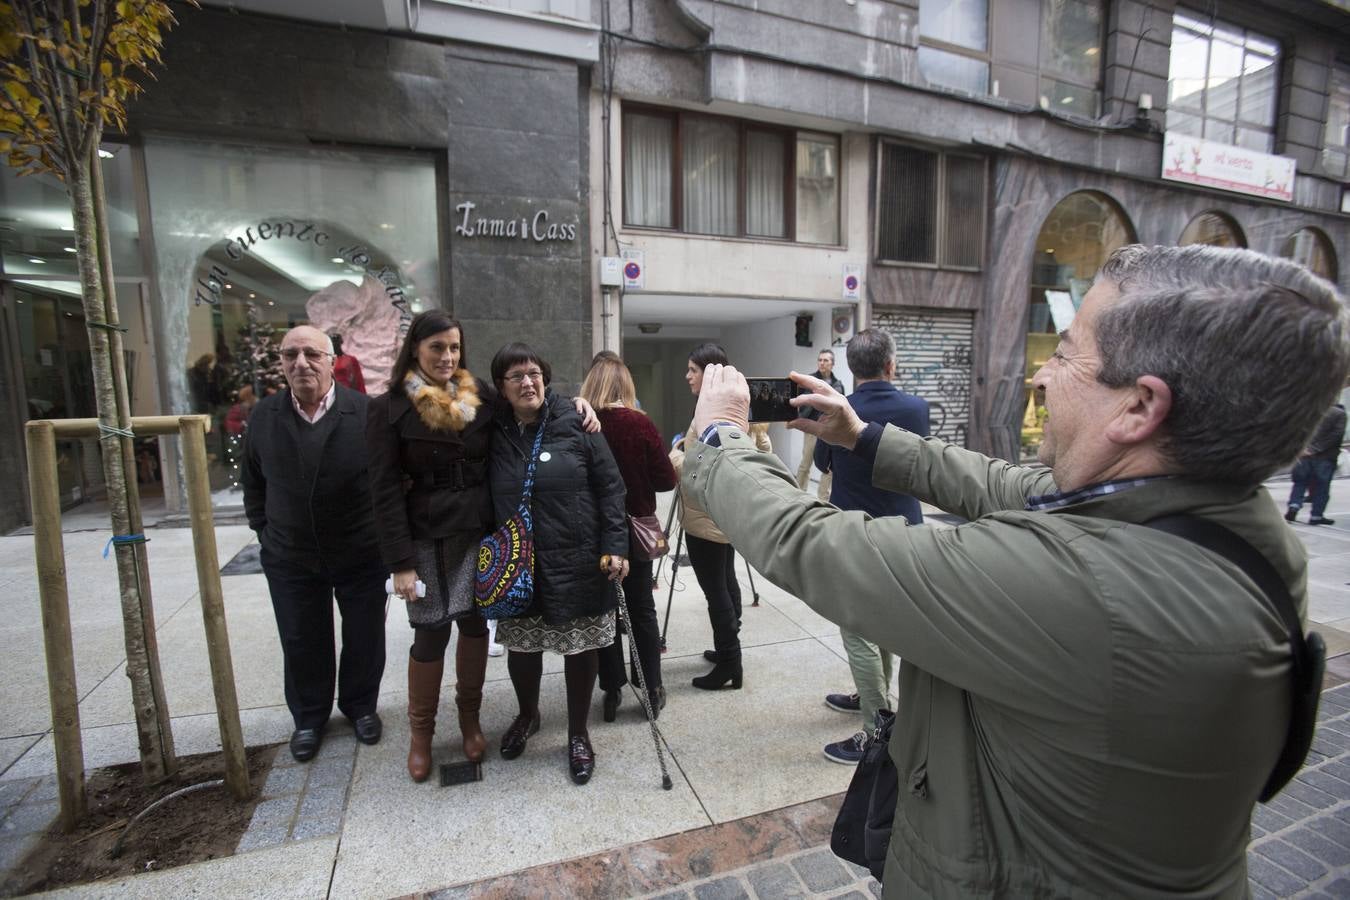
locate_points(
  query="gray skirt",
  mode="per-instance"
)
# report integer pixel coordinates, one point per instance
(446, 566)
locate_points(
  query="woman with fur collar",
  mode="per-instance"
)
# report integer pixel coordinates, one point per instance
(428, 438)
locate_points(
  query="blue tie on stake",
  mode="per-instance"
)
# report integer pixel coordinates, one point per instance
(124, 539)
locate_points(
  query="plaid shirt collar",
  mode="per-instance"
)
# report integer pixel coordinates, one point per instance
(1060, 499)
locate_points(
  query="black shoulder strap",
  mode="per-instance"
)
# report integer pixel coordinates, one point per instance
(1309, 653)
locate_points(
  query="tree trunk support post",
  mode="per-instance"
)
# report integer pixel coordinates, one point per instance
(49, 548)
(192, 430)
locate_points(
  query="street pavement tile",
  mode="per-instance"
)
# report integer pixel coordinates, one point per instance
(1320, 848)
(1272, 877)
(1326, 782)
(257, 838)
(1260, 893)
(1286, 805)
(271, 813)
(283, 781)
(1269, 819)
(28, 818)
(722, 889)
(311, 825)
(13, 848)
(1332, 829)
(775, 880)
(1310, 795)
(1292, 858)
(851, 895)
(12, 791)
(821, 871)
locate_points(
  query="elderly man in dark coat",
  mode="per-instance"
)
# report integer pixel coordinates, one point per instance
(307, 495)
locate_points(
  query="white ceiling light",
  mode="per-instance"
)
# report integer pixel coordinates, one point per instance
(36, 261)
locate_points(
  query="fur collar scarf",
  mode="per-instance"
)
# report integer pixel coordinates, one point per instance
(448, 408)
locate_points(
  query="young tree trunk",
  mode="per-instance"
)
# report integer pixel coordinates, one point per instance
(138, 621)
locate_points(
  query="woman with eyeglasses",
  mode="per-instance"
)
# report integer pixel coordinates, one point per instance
(429, 439)
(581, 539)
(710, 553)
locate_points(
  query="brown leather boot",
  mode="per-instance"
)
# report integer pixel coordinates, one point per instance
(471, 655)
(424, 696)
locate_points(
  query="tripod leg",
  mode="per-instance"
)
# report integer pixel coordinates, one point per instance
(670, 595)
(751, 572)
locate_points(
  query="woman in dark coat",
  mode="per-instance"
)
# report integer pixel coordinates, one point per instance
(580, 535)
(428, 439)
(646, 469)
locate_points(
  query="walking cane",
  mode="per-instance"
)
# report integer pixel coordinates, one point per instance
(646, 697)
(751, 573)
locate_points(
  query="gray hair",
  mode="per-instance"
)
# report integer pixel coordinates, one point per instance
(868, 352)
(1254, 350)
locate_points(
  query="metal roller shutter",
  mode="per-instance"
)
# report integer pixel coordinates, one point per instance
(933, 361)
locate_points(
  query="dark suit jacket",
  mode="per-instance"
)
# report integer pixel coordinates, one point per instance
(312, 516)
(874, 401)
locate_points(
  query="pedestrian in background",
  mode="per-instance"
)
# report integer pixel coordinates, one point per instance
(347, 368)
(710, 553)
(1314, 470)
(825, 372)
(641, 456)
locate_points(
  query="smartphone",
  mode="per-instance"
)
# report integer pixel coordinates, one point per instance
(769, 399)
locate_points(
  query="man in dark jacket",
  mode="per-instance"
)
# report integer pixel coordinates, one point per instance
(825, 372)
(1316, 467)
(307, 496)
(871, 358)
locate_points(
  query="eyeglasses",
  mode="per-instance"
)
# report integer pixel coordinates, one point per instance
(532, 375)
(291, 354)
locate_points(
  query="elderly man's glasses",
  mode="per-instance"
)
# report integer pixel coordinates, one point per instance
(532, 375)
(291, 354)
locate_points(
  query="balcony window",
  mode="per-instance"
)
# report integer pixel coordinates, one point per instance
(930, 207)
(713, 175)
(1222, 82)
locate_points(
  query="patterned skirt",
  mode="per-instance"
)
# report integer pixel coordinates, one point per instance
(446, 566)
(532, 634)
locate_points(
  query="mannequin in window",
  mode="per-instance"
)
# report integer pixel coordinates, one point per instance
(346, 368)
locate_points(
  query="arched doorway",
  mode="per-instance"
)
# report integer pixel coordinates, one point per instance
(1076, 238)
(1311, 248)
(1214, 228)
(251, 287)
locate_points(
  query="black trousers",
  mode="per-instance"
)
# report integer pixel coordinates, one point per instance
(714, 567)
(302, 600)
(645, 633)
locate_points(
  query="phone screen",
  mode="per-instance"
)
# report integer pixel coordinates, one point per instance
(769, 399)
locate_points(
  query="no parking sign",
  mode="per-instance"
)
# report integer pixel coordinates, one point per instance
(634, 270)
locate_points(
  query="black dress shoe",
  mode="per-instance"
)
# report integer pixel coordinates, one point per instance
(1321, 520)
(1291, 514)
(722, 675)
(305, 743)
(580, 758)
(611, 704)
(368, 728)
(710, 655)
(513, 741)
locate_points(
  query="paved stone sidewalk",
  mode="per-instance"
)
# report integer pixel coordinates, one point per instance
(301, 801)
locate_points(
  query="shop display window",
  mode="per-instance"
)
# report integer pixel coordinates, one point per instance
(1310, 247)
(251, 241)
(1079, 234)
(1214, 228)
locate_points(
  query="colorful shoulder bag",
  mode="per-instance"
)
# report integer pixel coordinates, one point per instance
(504, 581)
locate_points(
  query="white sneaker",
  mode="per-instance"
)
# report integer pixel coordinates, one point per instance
(495, 649)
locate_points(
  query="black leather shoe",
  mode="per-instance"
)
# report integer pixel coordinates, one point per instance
(580, 758)
(368, 728)
(1291, 515)
(1321, 520)
(513, 741)
(611, 705)
(305, 743)
(722, 675)
(710, 655)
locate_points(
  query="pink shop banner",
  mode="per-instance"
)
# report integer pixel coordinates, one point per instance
(1227, 168)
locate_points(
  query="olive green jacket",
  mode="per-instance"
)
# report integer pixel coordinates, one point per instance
(1087, 707)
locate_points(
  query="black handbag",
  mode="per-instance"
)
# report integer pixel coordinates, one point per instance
(1309, 651)
(862, 830)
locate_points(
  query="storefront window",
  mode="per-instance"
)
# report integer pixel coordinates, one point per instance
(252, 241)
(1079, 234)
(1310, 247)
(1214, 228)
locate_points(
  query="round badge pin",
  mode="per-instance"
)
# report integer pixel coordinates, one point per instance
(545, 456)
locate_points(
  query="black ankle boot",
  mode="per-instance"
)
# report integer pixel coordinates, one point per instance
(611, 703)
(657, 696)
(721, 674)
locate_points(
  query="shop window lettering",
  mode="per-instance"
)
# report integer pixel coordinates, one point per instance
(301, 231)
(536, 227)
